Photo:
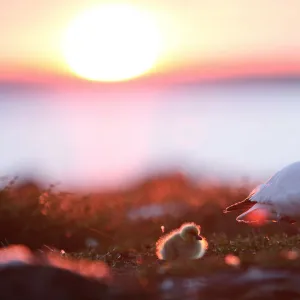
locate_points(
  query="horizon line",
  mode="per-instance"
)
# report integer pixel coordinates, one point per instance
(230, 71)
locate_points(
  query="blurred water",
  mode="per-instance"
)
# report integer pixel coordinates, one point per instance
(109, 138)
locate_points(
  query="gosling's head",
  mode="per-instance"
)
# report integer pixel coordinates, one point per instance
(190, 232)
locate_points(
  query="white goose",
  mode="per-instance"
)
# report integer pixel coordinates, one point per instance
(278, 199)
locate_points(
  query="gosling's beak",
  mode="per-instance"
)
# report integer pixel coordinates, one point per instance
(198, 237)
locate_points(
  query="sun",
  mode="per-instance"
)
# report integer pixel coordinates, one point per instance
(113, 42)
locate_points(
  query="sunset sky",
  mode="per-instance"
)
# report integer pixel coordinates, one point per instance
(59, 127)
(199, 38)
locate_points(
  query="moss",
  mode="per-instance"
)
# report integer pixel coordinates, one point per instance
(259, 250)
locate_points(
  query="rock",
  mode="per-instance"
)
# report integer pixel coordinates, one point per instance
(29, 282)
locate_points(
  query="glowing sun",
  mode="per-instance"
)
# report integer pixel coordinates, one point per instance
(112, 42)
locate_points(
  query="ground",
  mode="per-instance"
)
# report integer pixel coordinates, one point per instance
(121, 228)
(223, 254)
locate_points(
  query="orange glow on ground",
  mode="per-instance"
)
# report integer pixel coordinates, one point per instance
(232, 260)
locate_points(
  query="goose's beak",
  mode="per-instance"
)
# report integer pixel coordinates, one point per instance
(198, 237)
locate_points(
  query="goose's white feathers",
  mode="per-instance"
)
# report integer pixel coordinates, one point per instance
(279, 196)
(282, 191)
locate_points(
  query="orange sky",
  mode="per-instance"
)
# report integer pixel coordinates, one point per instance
(201, 39)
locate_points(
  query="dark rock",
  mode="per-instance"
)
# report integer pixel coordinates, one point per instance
(47, 283)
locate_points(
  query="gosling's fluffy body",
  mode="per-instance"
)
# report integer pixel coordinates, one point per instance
(184, 243)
